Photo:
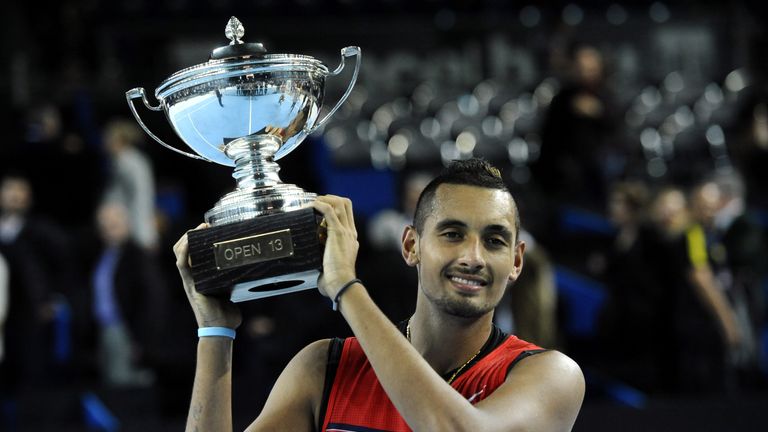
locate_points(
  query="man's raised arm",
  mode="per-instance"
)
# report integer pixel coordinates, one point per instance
(296, 393)
(211, 405)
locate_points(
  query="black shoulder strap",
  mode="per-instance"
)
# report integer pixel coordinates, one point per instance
(523, 355)
(334, 356)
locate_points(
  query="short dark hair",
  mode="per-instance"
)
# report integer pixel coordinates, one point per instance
(15, 174)
(470, 172)
(635, 193)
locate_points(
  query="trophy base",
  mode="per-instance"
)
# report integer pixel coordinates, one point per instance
(278, 285)
(265, 256)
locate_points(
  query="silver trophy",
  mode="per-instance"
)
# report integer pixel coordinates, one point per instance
(246, 108)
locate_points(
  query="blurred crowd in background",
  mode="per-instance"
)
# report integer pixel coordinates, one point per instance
(634, 138)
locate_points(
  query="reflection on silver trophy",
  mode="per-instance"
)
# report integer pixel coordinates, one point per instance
(246, 108)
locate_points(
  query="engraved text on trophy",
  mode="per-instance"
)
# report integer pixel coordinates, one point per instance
(253, 249)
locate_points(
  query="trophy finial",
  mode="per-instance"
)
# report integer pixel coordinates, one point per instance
(234, 31)
(237, 48)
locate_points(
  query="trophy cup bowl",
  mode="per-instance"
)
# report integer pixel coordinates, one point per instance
(246, 108)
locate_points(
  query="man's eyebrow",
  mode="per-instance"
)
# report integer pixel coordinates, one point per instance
(450, 223)
(500, 230)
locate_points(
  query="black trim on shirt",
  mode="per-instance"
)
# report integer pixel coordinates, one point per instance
(523, 355)
(352, 428)
(334, 357)
(496, 338)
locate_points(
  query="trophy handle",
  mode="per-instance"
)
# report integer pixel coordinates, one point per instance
(139, 92)
(345, 52)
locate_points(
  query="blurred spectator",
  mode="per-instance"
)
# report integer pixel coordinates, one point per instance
(123, 304)
(739, 258)
(709, 326)
(669, 212)
(38, 261)
(131, 180)
(380, 257)
(750, 152)
(576, 134)
(58, 160)
(668, 219)
(529, 310)
(385, 229)
(7, 405)
(3, 303)
(638, 301)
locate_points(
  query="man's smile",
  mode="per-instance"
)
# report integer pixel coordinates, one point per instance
(467, 283)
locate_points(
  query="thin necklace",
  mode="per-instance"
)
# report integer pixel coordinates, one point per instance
(461, 368)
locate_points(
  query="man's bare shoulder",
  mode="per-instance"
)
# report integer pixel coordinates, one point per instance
(295, 399)
(312, 359)
(553, 360)
(552, 375)
(549, 365)
(546, 389)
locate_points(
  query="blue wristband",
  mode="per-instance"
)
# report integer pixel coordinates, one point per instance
(216, 331)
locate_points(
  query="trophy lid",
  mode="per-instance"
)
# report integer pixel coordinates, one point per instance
(236, 59)
(237, 48)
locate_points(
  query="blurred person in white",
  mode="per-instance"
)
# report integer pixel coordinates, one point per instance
(131, 181)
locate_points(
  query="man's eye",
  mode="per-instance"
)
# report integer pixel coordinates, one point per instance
(497, 241)
(452, 235)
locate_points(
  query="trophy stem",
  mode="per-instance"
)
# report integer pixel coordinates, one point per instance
(254, 158)
(259, 189)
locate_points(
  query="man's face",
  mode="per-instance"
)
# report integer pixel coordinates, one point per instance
(669, 211)
(15, 195)
(113, 224)
(589, 65)
(705, 202)
(618, 209)
(467, 254)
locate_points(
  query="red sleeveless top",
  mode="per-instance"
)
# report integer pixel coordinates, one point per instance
(358, 403)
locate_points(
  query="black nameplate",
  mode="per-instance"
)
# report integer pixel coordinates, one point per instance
(305, 243)
(248, 250)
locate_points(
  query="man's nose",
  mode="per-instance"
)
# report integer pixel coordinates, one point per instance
(472, 254)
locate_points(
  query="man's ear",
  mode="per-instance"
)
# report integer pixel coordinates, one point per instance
(410, 246)
(518, 263)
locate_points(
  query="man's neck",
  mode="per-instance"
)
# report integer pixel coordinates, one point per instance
(447, 342)
(728, 214)
(11, 225)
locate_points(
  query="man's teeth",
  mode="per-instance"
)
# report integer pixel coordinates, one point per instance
(466, 281)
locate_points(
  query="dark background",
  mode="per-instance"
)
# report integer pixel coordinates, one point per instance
(82, 56)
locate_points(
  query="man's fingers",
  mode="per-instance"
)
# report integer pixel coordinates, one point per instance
(328, 211)
(350, 214)
(341, 207)
(181, 248)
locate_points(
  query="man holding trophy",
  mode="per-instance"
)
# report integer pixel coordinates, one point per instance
(447, 368)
